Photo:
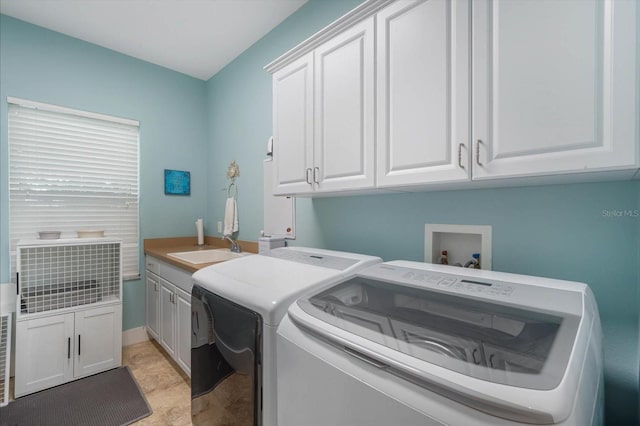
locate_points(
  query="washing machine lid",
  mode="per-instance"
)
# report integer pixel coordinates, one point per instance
(496, 331)
(268, 284)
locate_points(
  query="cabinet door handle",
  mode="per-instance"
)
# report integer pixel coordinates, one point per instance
(155, 285)
(68, 347)
(316, 172)
(170, 297)
(460, 146)
(308, 179)
(78, 345)
(478, 152)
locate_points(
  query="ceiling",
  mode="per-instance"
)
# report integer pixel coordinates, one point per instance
(194, 37)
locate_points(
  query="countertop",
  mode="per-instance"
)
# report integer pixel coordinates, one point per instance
(160, 247)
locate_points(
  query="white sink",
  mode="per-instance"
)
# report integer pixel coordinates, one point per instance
(206, 256)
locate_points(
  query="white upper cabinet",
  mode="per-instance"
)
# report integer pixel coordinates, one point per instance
(323, 116)
(344, 110)
(423, 71)
(293, 126)
(447, 92)
(554, 87)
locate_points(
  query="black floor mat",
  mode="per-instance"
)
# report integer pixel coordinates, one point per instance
(112, 398)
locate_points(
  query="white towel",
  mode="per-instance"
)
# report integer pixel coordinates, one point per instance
(231, 216)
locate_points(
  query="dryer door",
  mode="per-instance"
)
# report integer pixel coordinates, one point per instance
(226, 376)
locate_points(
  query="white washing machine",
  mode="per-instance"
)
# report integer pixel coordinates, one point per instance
(236, 308)
(407, 343)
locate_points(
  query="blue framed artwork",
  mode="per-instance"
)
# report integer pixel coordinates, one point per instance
(177, 182)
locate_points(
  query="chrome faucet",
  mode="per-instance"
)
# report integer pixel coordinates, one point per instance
(235, 247)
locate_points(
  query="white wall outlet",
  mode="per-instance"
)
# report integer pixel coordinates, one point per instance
(219, 227)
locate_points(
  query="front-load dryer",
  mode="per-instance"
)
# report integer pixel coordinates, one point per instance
(236, 308)
(411, 344)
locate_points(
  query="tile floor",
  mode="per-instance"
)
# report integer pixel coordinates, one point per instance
(163, 382)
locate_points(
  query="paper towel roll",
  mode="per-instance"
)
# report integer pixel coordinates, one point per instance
(200, 229)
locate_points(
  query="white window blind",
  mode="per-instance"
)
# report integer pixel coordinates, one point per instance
(72, 170)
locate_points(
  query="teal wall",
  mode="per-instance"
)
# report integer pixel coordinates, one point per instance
(239, 111)
(45, 66)
(554, 231)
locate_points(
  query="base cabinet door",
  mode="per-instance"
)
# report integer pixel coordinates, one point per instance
(183, 324)
(167, 317)
(44, 353)
(98, 334)
(153, 306)
(554, 87)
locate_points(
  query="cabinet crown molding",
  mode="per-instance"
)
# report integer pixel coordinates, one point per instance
(363, 11)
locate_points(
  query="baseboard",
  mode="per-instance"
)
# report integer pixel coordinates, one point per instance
(134, 335)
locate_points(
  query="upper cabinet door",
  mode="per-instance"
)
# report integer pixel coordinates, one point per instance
(344, 110)
(554, 86)
(293, 127)
(423, 72)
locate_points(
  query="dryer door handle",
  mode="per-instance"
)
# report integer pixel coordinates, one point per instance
(365, 358)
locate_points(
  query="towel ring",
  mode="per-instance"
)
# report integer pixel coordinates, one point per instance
(232, 185)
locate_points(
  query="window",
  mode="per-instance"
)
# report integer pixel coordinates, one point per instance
(72, 170)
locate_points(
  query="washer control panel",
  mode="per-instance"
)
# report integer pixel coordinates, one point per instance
(531, 293)
(461, 284)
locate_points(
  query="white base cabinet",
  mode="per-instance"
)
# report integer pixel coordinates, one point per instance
(56, 349)
(153, 304)
(183, 330)
(168, 317)
(169, 310)
(99, 340)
